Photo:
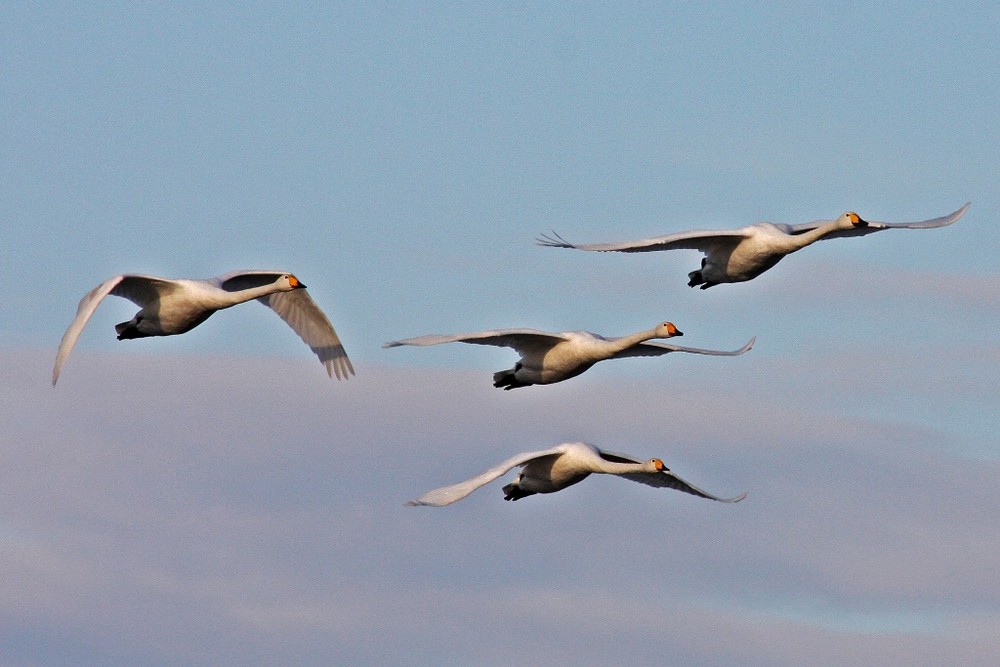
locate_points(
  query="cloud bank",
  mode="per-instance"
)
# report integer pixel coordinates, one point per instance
(199, 510)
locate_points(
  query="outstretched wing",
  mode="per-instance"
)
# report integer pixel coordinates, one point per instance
(446, 495)
(654, 349)
(522, 340)
(237, 281)
(139, 289)
(703, 240)
(669, 480)
(873, 226)
(306, 319)
(616, 457)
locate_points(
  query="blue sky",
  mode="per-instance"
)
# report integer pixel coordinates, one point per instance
(214, 498)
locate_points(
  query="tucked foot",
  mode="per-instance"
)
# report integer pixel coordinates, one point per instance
(507, 379)
(513, 491)
(126, 330)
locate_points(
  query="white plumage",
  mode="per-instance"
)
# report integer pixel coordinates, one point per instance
(554, 469)
(553, 357)
(736, 255)
(170, 307)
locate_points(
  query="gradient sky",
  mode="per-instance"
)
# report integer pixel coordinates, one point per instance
(213, 498)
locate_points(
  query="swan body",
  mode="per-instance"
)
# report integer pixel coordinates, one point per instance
(547, 358)
(170, 307)
(737, 255)
(554, 469)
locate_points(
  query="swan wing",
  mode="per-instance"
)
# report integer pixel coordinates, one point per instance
(446, 495)
(139, 289)
(237, 281)
(616, 457)
(703, 240)
(669, 480)
(875, 226)
(654, 349)
(522, 340)
(301, 313)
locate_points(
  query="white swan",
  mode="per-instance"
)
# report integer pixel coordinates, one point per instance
(553, 357)
(554, 469)
(172, 307)
(732, 256)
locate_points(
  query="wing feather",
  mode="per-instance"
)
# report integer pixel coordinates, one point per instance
(616, 457)
(237, 281)
(521, 340)
(874, 226)
(654, 349)
(446, 495)
(669, 480)
(306, 319)
(699, 239)
(139, 289)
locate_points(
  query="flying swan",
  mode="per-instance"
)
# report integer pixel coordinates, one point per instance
(736, 255)
(553, 357)
(170, 307)
(554, 469)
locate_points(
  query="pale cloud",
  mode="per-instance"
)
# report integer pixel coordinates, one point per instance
(196, 510)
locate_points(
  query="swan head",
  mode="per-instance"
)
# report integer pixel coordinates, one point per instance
(851, 219)
(667, 330)
(658, 466)
(290, 282)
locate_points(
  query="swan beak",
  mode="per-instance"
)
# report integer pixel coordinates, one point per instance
(295, 283)
(857, 221)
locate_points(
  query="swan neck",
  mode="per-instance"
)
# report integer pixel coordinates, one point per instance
(244, 295)
(629, 341)
(615, 468)
(797, 241)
